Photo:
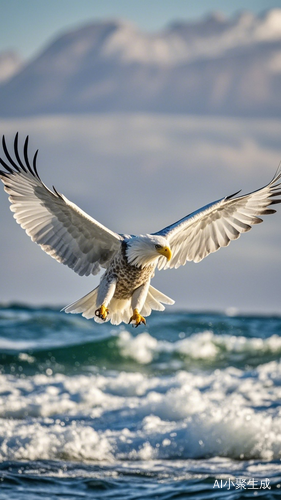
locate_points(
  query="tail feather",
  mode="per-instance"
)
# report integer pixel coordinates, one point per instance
(119, 310)
(156, 299)
(86, 305)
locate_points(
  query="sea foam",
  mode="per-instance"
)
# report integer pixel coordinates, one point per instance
(133, 416)
(203, 345)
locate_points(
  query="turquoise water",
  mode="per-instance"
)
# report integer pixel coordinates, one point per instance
(187, 407)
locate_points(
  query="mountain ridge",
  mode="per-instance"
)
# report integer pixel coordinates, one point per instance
(221, 66)
(10, 64)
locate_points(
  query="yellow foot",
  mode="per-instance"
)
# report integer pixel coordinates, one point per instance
(102, 312)
(137, 318)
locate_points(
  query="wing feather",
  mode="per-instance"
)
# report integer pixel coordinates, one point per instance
(214, 226)
(59, 226)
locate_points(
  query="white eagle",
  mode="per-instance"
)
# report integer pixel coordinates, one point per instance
(74, 238)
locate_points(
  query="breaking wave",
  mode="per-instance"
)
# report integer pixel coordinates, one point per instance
(190, 386)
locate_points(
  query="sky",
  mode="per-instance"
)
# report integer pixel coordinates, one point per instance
(208, 157)
(137, 174)
(27, 26)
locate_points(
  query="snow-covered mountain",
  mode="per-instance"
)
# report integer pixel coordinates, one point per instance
(10, 63)
(212, 66)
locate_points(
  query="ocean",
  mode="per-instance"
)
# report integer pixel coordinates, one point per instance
(187, 407)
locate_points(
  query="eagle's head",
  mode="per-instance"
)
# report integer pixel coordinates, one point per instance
(145, 250)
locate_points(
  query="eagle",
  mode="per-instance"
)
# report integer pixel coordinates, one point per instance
(75, 239)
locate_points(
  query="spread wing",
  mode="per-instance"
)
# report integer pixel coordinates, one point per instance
(217, 224)
(61, 228)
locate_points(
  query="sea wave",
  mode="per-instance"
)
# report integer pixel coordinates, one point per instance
(204, 345)
(187, 386)
(125, 350)
(133, 416)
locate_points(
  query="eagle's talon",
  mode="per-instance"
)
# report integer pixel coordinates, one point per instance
(102, 312)
(137, 318)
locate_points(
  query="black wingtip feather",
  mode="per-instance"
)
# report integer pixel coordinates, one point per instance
(35, 165)
(274, 202)
(8, 156)
(57, 193)
(275, 193)
(232, 195)
(268, 211)
(9, 169)
(277, 174)
(25, 152)
(4, 174)
(20, 166)
(17, 153)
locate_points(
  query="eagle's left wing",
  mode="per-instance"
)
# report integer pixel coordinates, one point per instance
(214, 226)
(60, 227)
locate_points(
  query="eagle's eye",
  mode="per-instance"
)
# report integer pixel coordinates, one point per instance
(158, 247)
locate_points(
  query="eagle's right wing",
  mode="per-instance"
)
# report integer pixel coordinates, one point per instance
(61, 228)
(214, 226)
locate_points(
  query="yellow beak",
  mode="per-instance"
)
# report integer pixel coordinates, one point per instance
(166, 252)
